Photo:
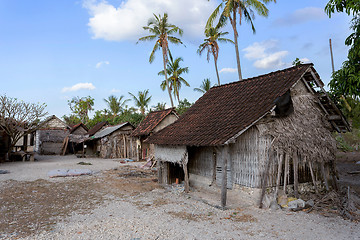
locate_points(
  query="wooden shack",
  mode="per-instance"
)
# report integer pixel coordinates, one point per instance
(153, 122)
(49, 138)
(113, 142)
(268, 131)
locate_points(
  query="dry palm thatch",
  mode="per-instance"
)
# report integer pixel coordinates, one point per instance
(305, 131)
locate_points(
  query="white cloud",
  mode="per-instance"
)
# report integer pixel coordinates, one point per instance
(99, 64)
(228, 70)
(79, 86)
(305, 60)
(272, 60)
(114, 90)
(266, 54)
(125, 22)
(301, 16)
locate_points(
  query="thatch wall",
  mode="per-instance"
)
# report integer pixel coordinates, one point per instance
(49, 142)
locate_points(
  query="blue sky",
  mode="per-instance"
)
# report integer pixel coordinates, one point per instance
(51, 51)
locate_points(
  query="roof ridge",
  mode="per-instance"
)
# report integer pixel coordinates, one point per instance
(264, 75)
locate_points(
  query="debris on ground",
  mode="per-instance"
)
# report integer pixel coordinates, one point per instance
(84, 163)
(69, 172)
(344, 202)
(4, 171)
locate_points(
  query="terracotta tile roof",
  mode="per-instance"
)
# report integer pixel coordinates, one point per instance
(226, 110)
(151, 121)
(97, 127)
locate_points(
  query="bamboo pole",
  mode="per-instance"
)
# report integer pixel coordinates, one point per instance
(286, 171)
(296, 177)
(313, 176)
(264, 178)
(280, 161)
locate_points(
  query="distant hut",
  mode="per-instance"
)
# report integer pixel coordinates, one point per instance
(49, 138)
(113, 142)
(153, 122)
(74, 143)
(268, 131)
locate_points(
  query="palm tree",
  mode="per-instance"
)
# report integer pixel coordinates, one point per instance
(245, 8)
(214, 36)
(159, 107)
(174, 71)
(142, 101)
(204, 87)
(162, 31)
(116, 105)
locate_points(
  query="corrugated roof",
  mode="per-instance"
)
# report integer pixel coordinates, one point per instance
(108, 130)
(226, 110)
(151, 121)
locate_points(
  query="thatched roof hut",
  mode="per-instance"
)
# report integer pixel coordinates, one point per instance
(49, 137)
(258, 129)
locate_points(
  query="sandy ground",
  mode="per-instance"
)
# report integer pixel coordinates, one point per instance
(121, 201)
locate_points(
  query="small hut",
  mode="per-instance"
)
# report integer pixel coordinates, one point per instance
(113, 142)
(153, 122)
(268, 131)
(49, 138)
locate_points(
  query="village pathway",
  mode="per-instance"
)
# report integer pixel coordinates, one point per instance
(122, 201)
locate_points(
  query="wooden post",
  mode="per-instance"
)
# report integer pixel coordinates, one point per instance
(124, 145)
(280, 161)
(186, 178)
(296, 178)
(313, 176)
(265, 177)
(332, 58)
(286, 171)
(224, 176)
(324, 176)
(214, 167)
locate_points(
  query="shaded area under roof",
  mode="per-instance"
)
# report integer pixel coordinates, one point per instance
(226, 110)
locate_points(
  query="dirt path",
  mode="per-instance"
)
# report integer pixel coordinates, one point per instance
(127, 203)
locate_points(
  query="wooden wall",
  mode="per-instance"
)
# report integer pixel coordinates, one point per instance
(119, 144)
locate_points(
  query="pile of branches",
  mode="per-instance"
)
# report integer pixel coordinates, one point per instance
(344, 202)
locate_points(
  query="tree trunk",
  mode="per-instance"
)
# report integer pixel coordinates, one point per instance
(217, 73)
(165, 74)
(233, 24)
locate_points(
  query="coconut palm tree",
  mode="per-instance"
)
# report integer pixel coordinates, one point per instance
(162, 31)
(159, 106)
(142, 100)
(175, 80)
(115, 105)
(213, 36)
(204, 87)
(228, 9)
